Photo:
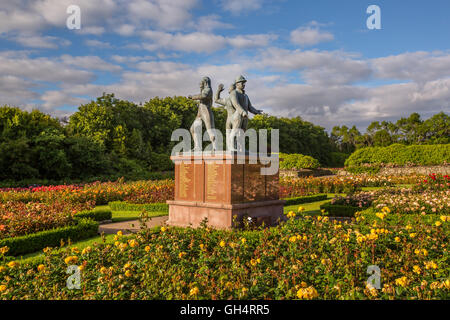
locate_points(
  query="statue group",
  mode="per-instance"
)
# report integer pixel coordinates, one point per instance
(237, 105)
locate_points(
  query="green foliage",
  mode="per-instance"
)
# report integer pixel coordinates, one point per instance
(96, 215)
(297, 136)
(345, 139)
(84, 229)
(305, 199)
(160, 162)
(15, 123)
(408, 131)
(110, 138)
(86, 156)
(399, 154)
(338, 159)
(150, 207)
(399, 219)
(336, 210)
(50, 154)
(298, 161)
(16, 161)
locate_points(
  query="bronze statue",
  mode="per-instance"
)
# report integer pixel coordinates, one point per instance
(240, 103)
(230, 111)
(204, 114)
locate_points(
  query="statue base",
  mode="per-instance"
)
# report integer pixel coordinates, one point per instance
(225, 189)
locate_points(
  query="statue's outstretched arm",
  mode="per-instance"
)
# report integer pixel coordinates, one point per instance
(253, 109)
(203, 95)
(222, 102)
(217, 98)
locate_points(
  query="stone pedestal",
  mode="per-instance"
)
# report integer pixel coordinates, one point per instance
(218, 187)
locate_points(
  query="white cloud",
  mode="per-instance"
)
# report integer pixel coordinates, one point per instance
(417, 66)
(161, 66)
(126, 30)
(241, 6)
(202, 42)
(89, 63)
(42, 42)
(191, 42)
(251, 40)
(316, 67)
(36, 15)
(91, 30)
(209, 23)
(43, 70)
(53, 99)
(329, 96)
(97, 44)
(310, 35)
(16, 90)
(170, 15)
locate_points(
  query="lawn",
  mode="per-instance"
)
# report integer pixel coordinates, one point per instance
(313, 208)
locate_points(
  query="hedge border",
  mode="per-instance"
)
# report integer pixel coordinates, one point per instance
(400, 155)
(150, 207)
(338, 210)
(84, 229)
(305, 199)
(96, 215)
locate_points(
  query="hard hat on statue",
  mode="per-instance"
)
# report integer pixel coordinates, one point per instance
(240, 79)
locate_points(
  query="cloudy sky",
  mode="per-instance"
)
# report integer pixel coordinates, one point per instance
(311, 58)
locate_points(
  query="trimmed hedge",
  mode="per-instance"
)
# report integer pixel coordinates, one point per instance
(401, 155)
(96, 215)
(150, 207)
(337, 210)
(84, 229)
(305, 199)
(298, 161)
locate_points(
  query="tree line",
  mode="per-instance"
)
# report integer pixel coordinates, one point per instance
(108, 138)
(408, 131)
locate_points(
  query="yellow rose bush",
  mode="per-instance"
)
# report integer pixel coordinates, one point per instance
(303, 258)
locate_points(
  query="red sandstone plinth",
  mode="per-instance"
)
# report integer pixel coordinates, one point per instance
(219, 187)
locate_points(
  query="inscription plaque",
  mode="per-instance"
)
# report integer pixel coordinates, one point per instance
(211, 181)
(185, 180)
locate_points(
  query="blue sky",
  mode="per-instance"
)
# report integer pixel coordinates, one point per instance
(314, 59)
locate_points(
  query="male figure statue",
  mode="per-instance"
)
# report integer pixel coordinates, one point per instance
(204, 114)
(226, 102)
(241, 103)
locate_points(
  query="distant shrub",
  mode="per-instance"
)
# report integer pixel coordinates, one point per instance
(338, 159)
(298, 161)
(336, 210)
(160, 162)
(304, 199)
(401, 155)
(96, 215)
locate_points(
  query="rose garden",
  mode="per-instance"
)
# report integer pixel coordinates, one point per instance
(327, 231)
